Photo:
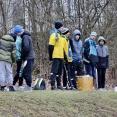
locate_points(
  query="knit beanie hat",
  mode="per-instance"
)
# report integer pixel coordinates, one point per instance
(13, 36)
(58, 24)
(17, 29)
(65, 31)
(93, 33)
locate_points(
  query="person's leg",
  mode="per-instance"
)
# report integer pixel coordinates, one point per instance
(54, 70)
(88, 69)
(99, 70)
(80, 71)
(103, 77)
(16, 77)
(73, 74)
(59, 73)
(64, 75)
(27, 72)
(2, 74)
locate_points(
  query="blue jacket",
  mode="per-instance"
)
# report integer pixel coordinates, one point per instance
(27, 46)
(90, 52)
(18, 44)
(77, 47)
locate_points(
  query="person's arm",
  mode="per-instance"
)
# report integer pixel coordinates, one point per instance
(13, 53)
(25, 46)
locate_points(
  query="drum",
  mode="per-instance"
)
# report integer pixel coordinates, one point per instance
(85, 83)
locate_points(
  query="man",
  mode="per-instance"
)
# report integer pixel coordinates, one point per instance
(90, 55)
(27, 55)
(7, 58)
(56, 54)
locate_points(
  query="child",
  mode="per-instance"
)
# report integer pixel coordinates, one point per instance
(67, 69)
(102, 64)
(7, 58)
(56, 54)
(90, 55)
(77, 47)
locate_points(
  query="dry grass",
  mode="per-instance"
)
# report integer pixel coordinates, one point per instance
(58, 104)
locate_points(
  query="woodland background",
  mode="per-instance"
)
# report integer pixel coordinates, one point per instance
(38, 16)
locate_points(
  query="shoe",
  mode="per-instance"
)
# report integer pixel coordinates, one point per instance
(60, 87)
(11, 88)
(4, 88)
(104, 89)
(65, 88)
(72, 88)
(20, 88)
(14, 87)
(27, 89)
(100, 89)
(53, 88)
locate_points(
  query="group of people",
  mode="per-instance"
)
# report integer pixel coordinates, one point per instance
(18, 47)
(68, 55)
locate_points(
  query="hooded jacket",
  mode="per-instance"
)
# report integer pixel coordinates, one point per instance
(102, 51)
(90, 52)
(7, 49)
(27, 46)
(76, 46)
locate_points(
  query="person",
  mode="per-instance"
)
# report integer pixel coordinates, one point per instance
(67, 69)
(27, 55)
(90, 56)
(102, 64)
(77, 50)
(7, 58)
(56, 55)
(18, 43)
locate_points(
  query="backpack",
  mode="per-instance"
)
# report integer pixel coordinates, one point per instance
(56, 32)
(39, 84)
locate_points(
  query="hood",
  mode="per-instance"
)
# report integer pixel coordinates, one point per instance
(76, 32)
(101, 38)
(26, 32)
(8, 38)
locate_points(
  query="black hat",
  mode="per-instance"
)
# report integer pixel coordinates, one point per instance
(13, 35)
(65, 31)
(58, 24)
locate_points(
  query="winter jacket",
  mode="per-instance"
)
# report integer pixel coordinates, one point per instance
(102, 54)
(77, 47)
(90, 52)
(18, 44)
(68, 50)
(27, 46)
(56, 46)
(7, 49)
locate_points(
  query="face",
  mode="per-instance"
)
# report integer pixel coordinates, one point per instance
(67, 35)
(61, 28)
(93, 37)
(19, 34)
(101, 42)
(77, 37)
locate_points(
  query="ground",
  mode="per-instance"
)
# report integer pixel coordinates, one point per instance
(58, 104)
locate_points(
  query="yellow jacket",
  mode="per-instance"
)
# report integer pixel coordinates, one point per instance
(59, 45)
(67, 49)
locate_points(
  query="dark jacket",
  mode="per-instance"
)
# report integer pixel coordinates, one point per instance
(90, 52)
(102, 54)
(27, 46)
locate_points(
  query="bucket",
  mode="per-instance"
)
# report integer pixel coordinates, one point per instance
(85, 83)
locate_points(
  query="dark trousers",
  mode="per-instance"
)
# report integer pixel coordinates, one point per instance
(16, 77)
(77, 70)
(56, 71)
(27, 72)
(101, 77)
(90, 70)
(67, 79)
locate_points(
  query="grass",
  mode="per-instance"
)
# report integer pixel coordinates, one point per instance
(58, 104)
